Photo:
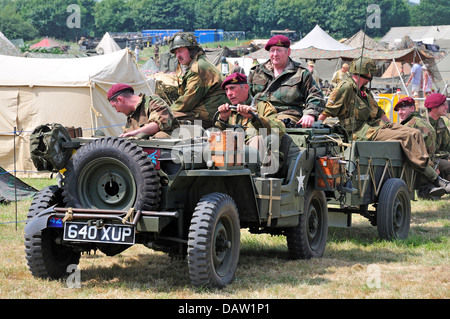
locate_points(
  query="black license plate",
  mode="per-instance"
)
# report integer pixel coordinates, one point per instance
(109, 233)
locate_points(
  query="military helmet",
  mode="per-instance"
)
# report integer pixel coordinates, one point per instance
(182, 40)
(363, 65)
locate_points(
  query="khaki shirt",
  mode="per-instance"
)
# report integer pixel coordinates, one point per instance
(442, 138)
(416, 121)
(266, 112)
(151, 109)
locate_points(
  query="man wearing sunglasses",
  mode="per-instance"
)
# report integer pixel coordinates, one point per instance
(354, 105)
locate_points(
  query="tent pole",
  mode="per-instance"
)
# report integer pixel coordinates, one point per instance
(15, 173)
(400, 75)
(94, 122)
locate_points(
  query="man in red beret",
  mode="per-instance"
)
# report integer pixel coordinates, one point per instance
(146, 115)
(237, 91)
(406, 109)
(437, 106)
(287, 85)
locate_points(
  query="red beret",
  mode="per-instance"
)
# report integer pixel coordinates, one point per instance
(406, 101)
(434, 100)
(117, 89)
(234, 78)
(278, 40)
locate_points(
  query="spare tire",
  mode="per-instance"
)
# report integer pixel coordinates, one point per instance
(111, 173)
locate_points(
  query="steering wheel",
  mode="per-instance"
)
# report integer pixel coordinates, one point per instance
(233, 108)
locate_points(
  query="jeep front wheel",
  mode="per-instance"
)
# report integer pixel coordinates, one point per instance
(46, 258)
(214, 240)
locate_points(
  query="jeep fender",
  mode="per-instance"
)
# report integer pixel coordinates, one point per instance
(39, 222)
(236, 183)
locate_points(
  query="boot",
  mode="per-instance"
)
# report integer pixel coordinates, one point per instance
(445, 184)
(430, 191)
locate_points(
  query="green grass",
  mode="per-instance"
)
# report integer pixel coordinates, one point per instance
(417, 267)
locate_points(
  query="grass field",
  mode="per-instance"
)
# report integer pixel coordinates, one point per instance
(356, 264)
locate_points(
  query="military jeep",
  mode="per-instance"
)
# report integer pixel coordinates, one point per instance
(189, 196)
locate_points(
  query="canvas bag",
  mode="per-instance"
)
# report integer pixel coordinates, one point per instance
(46, 147)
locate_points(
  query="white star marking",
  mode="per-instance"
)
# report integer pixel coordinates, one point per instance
(301, 182)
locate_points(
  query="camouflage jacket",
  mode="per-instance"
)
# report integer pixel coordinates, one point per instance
(266, 112)
(151, 109)
(416, 121)
(294, 89)
(356, 109)
(200, 90)
(442, 138)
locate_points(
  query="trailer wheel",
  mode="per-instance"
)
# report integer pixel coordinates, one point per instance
(45, 257)
(308, 239)
(214, 239)
(394, 210)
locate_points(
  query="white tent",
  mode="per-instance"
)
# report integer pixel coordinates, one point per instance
(6, 47)
(319, 39)
(71, 92)
(439, 35)
(441, 72)
(107, 44)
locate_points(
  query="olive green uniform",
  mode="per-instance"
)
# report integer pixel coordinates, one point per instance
(442, 155)
(266, 112)
(358, 112)
(293, 93)
(415, 120)
(272, 160)
(152, 109)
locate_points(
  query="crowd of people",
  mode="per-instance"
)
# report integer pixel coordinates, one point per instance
(283, 93)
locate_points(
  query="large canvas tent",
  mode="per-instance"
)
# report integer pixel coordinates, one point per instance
(107, 44)
(319, 39)
(439, 35)
(441, 72)
(360, 39)
(71, 92)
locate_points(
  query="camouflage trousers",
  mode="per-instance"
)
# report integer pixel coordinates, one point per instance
(413, 145)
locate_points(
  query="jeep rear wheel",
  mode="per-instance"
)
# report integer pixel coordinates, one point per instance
(111, 173)
(309, 237)
(45, 257)
(214, 239)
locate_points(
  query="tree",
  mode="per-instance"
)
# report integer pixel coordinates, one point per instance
(12, 25)
(162, 14)
(51, 17)
(113, 16)
(431, 12)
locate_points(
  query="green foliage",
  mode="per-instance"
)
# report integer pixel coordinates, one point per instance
(340, 18)
(13, 25)
(26, 48)
(431, 12)
(50, 17)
